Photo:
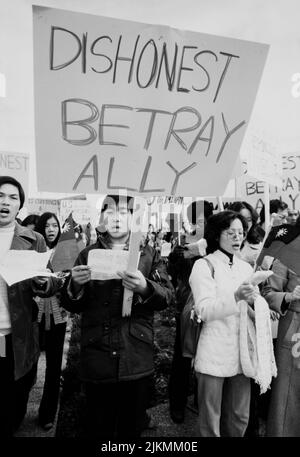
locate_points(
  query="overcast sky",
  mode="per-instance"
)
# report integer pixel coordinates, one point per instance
(276, 22)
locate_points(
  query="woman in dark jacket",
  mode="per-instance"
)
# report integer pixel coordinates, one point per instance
(117, 352)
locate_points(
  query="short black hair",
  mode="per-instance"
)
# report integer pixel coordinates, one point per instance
(253, 235)
(215, 226)
(117, 200)
(113, 200)
(275, 206)
(14, 182)
(31, 219)
(41, 226)
(194, 209)
(239, 206)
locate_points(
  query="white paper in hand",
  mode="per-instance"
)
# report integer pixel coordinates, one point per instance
(105, 263)
(18, 265)
(259, 276)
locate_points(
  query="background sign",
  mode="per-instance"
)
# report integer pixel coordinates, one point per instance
(16, 165)
(252, 190)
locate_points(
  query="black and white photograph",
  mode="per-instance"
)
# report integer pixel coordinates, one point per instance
(149, 225)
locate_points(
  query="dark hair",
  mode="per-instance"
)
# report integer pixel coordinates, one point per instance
(253, 236)
(41, 226)
(275, 206)
(116, 200)
(215, 226)
(194, 209)
(14, 182)
(32, 219)
(112, 200)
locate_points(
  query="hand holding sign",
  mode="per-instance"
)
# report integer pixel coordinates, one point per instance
(135, 282)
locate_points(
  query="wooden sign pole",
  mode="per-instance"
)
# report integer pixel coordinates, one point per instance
(134, 249)
(220, 204)
(267, 206)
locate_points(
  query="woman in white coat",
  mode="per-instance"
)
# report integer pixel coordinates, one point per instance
(219, 283)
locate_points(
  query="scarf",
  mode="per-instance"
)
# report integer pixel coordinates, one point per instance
(256, 347)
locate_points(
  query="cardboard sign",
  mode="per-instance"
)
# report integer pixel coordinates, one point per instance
(15, 164)
(252, 190)
(82, 211)
(146, 108)
(42, 205)
(263, 159)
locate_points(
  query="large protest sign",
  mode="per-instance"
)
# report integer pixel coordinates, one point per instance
(252, 190)
(15, 164)
(147, 108)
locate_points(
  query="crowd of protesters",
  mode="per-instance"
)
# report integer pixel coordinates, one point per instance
(211, 260)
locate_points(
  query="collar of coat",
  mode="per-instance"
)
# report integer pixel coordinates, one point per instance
(22, 236)
(224, 258)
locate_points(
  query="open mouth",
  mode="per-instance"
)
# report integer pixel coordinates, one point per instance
(4, 211)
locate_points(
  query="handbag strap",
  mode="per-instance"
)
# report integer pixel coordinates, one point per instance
(210, 265)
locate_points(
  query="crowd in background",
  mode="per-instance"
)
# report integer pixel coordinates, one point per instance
(210, 260)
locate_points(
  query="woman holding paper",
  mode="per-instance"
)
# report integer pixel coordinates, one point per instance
(222, 296)
(116, 352)
(52, 320)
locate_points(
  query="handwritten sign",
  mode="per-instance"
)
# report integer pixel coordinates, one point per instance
(42, 205)
(146, 108)
(105, 263)
(252, 190)
(17, 265)
(263, 159)
(16, 165)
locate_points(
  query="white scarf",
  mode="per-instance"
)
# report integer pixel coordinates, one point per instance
(256, 347)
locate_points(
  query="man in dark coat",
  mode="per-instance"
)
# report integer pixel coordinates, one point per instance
(117, 354)
(19, 348)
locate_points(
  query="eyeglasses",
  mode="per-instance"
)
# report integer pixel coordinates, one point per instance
(234, 233)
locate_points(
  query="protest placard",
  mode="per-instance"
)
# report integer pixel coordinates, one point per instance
(252, 190)
(82, 211)
(147, 108)
(42, 205)
(15, 164)
(263, 159)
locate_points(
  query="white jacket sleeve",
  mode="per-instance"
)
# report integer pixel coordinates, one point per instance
(208, 305)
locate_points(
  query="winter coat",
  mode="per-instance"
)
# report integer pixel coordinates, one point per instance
(116, 348)
(22, 307)
(218, 351)
(284, 412)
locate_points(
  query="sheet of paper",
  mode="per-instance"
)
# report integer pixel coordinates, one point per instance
(16, 265)
(165, 249)
(105, 263)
